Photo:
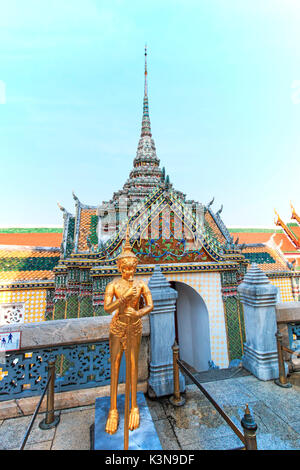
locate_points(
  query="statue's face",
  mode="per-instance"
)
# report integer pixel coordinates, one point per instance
(127, 268)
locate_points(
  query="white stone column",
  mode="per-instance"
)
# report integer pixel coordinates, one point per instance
(162, 336)
(258, 296)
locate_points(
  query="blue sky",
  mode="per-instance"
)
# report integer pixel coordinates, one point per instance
(224, 81)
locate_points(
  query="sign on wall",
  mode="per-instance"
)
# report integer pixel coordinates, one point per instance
(10, 341)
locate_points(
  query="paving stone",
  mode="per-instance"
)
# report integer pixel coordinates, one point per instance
(28, 405)
(9, 409)
(221, 443)
(156, 409)
(294, 379)
(13, 431)
(73, 431)
(46, 445)
(166, 435)
(78, 408)
(271, 442)
(197, 423)
(283, 401)
(269, 422)
(229, 392)
(296, 426)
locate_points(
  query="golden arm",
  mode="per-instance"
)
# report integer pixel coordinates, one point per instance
(148, 301)
(109, 305)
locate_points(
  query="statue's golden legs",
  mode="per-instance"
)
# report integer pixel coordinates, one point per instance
(134, 417)
(116, 351)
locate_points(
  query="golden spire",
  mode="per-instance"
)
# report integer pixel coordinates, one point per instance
(126, 250)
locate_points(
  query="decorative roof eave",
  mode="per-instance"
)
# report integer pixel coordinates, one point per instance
(79, 207)
(282, 274)
(288, 231)
(219, 222)
(295, 216)
(158, 197)
(166, 268)
(47, 284)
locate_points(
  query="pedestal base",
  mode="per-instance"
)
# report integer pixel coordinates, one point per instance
(161, 380)
(143, 438)
(287, 385)
(262, 364)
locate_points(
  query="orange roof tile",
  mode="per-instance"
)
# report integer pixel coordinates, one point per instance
(84, 228)
(27, 264)
(31, 239)
(272, 262)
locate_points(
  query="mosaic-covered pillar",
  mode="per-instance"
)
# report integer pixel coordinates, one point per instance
(60, 296)
(49, 312)
(295, 288)
(234, 318)
(162, 336)
(99, 286)
(258, 296)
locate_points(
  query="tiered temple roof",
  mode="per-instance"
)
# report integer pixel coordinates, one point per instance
(19, 264)
(283, 242)
(37, 236)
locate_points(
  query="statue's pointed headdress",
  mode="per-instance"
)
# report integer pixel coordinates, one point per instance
(127, 251)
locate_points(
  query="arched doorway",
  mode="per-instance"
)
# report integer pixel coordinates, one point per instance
(192, 327)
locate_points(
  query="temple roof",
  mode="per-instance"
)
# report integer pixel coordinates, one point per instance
(35, 237)
(266, 258)
(25, 263)
(146, 174)
(253, 235)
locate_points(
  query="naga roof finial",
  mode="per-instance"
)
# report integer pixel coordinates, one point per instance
(220, 210)
(74, 196)
(61, 207)
(210, 203)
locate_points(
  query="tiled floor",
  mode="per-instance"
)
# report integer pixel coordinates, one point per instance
(196, 425)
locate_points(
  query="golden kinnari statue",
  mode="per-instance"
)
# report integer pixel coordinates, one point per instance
(125, 296)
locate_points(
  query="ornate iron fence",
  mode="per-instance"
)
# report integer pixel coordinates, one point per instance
(24, 373)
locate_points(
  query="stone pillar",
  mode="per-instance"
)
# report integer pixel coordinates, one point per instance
(162, 336)
(258, 296)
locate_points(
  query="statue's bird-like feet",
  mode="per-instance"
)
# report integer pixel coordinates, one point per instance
(112, 422)
(134, 418)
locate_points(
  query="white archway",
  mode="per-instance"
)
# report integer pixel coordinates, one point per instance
(193, 327)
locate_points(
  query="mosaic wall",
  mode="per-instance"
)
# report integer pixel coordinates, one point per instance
(34, 300)
(208, 285)
(285, 287)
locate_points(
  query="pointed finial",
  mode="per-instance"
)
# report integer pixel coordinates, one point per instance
(292, 207)
(61, 207)
(74, 196)
(126, 250)
(211, 202)
(146, 127)
(127, 245)
(146, 72)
